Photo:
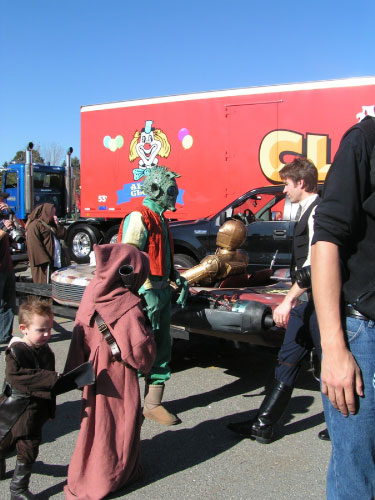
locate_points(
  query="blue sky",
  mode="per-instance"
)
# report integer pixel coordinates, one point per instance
(56, 56)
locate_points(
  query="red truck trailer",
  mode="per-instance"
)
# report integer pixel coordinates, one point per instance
(222, 143)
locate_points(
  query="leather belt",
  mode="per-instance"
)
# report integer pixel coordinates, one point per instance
(111, 341)
(10, 391)
(353, 313)
(104, 330)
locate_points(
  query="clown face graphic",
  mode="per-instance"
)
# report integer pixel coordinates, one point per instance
(147, 148)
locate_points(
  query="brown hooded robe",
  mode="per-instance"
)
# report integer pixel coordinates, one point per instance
(107, 453)
(40, 243)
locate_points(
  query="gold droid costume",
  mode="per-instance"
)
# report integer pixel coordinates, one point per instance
(226, 261)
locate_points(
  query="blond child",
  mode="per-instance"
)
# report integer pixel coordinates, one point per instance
(27, 402)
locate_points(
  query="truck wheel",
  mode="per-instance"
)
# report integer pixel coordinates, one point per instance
(81, 241)
(111, 235)
(182, 261)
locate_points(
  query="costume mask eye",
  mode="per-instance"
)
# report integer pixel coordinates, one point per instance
(172, 191)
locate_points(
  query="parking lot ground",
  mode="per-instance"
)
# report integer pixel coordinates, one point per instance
(213, 383)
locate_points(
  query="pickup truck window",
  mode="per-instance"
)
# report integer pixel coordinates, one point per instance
(272, 208)
(265, 207)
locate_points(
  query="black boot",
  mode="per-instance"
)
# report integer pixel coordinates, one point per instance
(2, 468)
(270, 412)
(324, 435)
(20, 482)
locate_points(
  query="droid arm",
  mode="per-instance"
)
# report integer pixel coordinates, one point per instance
(214, 267)
(233, 267)
(209, 267)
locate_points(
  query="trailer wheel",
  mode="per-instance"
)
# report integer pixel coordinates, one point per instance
(111, 235)
(182, 261)
(81, 241)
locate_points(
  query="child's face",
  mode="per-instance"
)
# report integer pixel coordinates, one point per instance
(38, 332)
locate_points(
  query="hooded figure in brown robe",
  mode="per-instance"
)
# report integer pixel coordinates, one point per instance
(42, 234)
(107, 453)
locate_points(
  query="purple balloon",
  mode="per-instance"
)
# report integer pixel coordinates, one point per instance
(182, 133)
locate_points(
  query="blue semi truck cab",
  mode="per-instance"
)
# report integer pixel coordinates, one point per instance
(54, 184)
(49, 186)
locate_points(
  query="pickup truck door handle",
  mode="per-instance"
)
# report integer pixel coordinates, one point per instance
(279, 234)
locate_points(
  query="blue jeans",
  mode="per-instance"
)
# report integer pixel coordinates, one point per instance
(7, 305)
(351, 472)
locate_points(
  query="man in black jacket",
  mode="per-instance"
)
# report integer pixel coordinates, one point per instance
(343, 272)
(301, 185)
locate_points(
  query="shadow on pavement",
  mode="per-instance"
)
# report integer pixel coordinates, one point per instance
(199, 444)
(59, 333)
(67, 420)
(53, 490)
(254, 365)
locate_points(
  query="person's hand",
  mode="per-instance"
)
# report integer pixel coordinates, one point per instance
(56, 220)
(341, 379)
(282, 312)
(183, 288)
(8, 224)
(153, 307)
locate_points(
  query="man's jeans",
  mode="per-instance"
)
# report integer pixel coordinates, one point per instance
(351, 472)
(7, 305)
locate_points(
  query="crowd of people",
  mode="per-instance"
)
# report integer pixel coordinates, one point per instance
(121, 331)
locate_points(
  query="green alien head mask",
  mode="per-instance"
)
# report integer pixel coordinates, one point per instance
(160, 186)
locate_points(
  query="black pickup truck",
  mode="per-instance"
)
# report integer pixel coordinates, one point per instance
(269, 217)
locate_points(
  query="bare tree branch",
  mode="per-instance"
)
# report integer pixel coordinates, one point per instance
(53, 153)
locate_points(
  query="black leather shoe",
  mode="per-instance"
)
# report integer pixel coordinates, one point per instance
(262, 432)
(241, 428)
(271, 410)
(324, 435)
(253, 429)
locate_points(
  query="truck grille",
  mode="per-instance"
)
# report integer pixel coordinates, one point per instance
(67, 294)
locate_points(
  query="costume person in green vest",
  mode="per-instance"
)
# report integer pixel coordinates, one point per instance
(147, 229)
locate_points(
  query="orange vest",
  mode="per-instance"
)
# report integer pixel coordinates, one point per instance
(154, 246)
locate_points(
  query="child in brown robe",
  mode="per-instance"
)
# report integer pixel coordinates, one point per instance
(107, 453)
(30, 389)
(27, 402)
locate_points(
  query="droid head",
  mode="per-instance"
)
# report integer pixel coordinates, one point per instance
(231, 235)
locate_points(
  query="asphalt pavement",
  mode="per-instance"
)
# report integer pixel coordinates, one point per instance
(213, 382)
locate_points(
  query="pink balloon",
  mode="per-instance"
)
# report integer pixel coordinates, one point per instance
(182, 133)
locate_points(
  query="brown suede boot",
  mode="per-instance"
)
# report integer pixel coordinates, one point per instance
(153, 408)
